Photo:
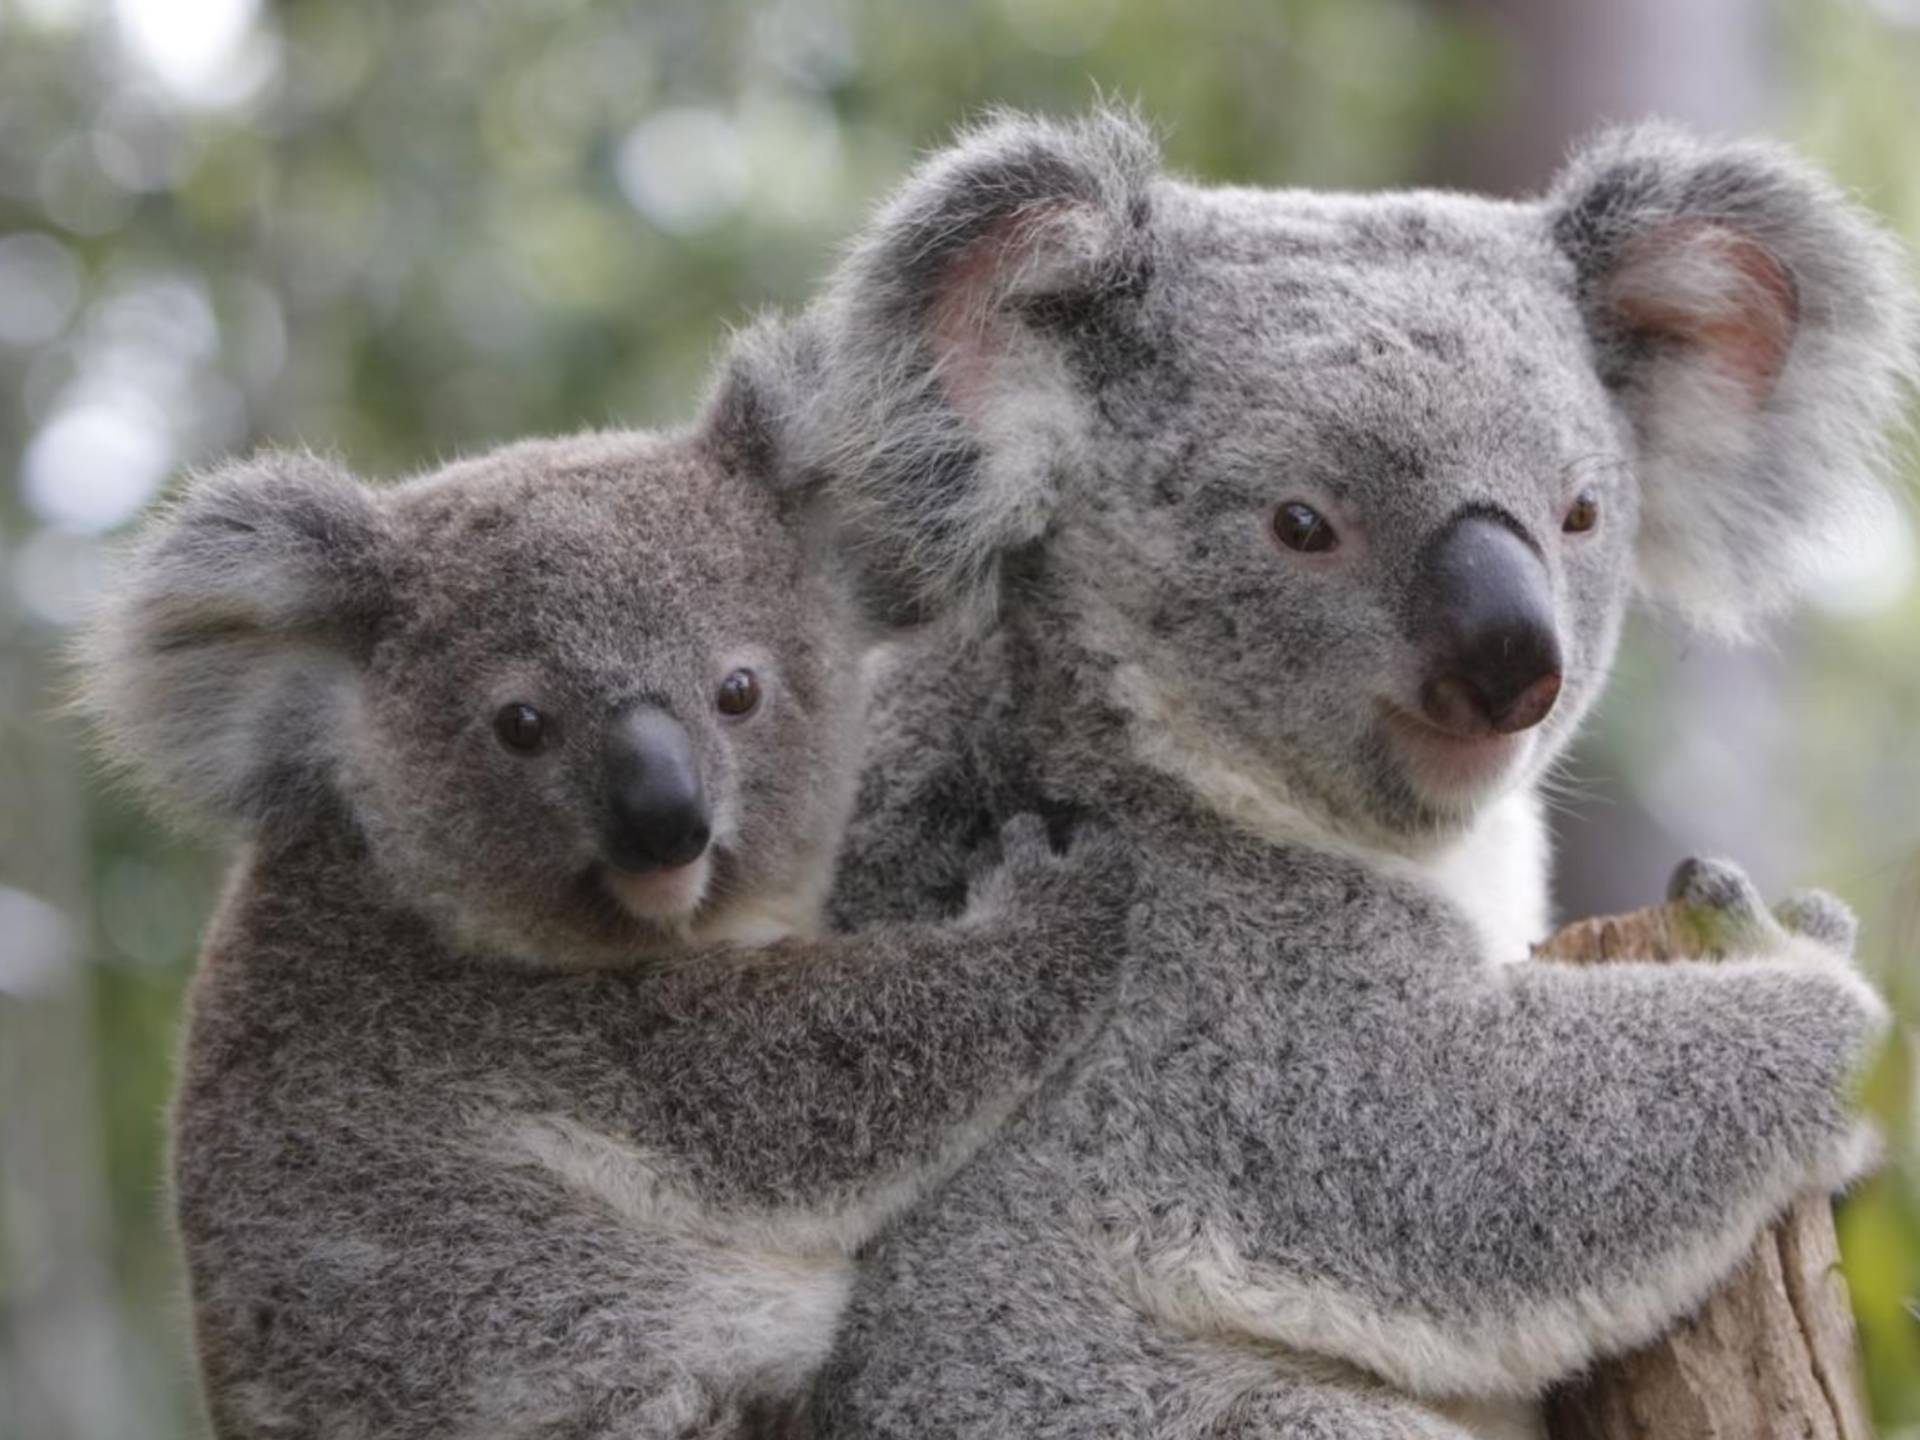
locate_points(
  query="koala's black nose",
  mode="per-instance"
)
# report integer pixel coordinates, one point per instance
(656, 813)
(1493, 655)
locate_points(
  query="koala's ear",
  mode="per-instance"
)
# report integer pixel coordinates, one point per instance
(1757, 328)
(949, 394)
(220, 668)
(764, 422)
(759, 410)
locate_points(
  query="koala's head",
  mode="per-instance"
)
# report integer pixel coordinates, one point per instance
(580, 696)
(1357, 488)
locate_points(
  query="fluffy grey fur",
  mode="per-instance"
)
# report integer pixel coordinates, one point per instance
(1333, 1168)
(475, 1135)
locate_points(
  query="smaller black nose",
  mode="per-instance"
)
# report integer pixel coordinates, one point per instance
(656, 814)
(1494, 654)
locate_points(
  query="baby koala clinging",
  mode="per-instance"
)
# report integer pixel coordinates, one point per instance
(490, 1122)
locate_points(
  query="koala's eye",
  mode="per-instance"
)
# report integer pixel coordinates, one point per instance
(1584, 515)
(520, 727)
(739, 694)
(1303, 528)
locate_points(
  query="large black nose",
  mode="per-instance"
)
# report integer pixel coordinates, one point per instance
(656, 812)
(1486, 625)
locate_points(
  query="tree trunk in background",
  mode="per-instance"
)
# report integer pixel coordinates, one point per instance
(1771, 1355)
(1571, 65)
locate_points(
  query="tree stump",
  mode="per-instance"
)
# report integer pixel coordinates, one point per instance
(1772, 1353)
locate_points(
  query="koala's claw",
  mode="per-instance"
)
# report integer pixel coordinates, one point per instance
(1725, 906)
(1732, 916)
(1820, 917)
(1717, 885)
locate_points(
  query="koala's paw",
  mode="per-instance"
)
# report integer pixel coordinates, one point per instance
(1811, 934)
(1726, 908)
(1092, 871)
(1717, 885)
(1730, 919)
(1820, 917)
(997, 869)
(1087, 888)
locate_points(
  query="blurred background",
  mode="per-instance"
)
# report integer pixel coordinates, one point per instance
(400, 231)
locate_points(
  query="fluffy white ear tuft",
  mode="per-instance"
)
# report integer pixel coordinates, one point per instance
(950, 394)
(1759, 331)
(218, 669)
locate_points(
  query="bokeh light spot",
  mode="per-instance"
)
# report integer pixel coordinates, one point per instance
(40, 950)
(684, 169)
(206, 52)
(148, 916)
(1874, 567)
(94, 465)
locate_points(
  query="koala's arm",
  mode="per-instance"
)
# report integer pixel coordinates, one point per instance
(924, 806)
(832, 1072)
(1565, 1159)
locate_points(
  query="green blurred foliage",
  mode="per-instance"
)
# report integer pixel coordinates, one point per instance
(1858, 111)
(403, 230)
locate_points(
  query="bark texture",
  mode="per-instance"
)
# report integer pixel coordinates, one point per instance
(1771, 1355)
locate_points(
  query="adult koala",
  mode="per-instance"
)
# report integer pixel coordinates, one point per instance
(1310, 521)
(518, 1096)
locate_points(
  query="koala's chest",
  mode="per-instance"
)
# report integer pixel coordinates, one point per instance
(1246, 996)
(1496, 877)
(1254, 964)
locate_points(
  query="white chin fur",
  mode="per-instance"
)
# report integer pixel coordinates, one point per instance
(668, 895)
(1451, 771)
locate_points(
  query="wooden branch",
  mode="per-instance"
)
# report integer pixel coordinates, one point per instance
(1772, 1354)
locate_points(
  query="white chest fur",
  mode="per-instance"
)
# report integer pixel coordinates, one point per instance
(1497, 874)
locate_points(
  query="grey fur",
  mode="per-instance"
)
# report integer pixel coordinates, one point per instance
(1824, 917)
(463, 1144)
(1332, 1168)
(1741, 508)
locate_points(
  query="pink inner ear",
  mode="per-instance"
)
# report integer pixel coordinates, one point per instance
(968, 332)
(963, 323)
(1716, 291)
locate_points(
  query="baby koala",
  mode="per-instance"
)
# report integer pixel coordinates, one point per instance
(490, 1121)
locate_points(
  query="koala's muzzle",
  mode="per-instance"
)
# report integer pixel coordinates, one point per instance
(1487, 629)
(656, 810)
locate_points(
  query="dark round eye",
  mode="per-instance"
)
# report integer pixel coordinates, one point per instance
(520, 727)
(1584, 515)
(1303, 528)
(739, 694)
